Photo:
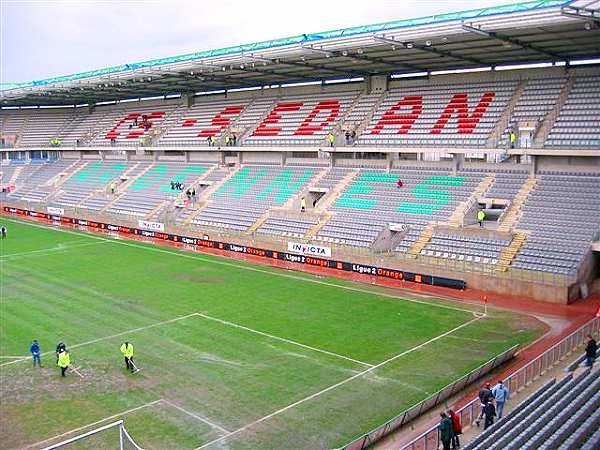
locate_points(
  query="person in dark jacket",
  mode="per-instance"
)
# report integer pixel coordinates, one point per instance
(456, 428)
(590, 351)
(35, 351)
(445, 430)
(490, 413)
(485, 394)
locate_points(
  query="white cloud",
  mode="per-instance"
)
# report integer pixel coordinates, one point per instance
(40, 39)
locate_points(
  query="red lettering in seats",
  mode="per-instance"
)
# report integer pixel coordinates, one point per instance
(264, 129)
(218, 123)
(459, 107)
(143, 122)
(405, 120)
(308, 126)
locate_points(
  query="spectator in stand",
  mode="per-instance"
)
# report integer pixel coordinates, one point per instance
(353, 137)
(490, 412)
(135, 122)
(590, 351)
(234, 143)
(456, 428)
(113, 141)
(485, 395)
(501, 394)
(445, 430)
(347, 138)
(399, 183)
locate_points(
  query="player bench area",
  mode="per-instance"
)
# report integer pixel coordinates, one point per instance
(276, 372)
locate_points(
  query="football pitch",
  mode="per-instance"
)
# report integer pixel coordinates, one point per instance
(233, 355)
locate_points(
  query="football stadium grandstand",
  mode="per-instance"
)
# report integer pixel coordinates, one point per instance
(452, 161)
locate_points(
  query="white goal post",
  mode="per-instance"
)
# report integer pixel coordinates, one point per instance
(125, 441)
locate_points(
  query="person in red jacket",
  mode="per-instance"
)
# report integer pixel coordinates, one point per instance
(456, 428)
(399, 183)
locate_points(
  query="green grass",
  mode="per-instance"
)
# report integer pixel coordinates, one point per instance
(80, 288)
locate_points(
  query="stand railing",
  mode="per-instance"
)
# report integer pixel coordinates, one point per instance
(429, 440)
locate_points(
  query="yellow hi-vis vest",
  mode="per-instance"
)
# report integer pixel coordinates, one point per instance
(330, 137)
(227, 139)
(127, 350)
(480, 215)
(64, 360)
(513, 137)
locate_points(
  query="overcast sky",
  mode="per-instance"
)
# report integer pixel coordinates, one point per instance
(42, 39)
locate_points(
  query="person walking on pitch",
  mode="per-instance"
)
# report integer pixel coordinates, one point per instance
(64, 361)
(127, 351)
(60, 347)
(34, 349)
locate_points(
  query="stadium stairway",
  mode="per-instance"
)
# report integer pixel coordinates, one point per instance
(509, 253)
(169, 205)
(514, 210)
(548, 122)
(457, 218)
(329, 199)
(422, 241)
(15, 175)
(122, 188)
(333, 194)
(291, 205)
(505, 118)
(369, 116)
(203, 199)
(104, 190)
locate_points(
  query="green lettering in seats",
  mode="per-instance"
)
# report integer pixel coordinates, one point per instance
(283, 185)
(98, 173)
(360, 187)
(155, 175)
(187, 175)
(241, 182)
(428, 190)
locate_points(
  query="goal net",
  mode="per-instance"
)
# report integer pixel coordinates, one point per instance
(107, 437)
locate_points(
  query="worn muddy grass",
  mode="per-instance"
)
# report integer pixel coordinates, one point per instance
(233, 355)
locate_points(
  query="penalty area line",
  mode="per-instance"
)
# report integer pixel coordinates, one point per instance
(277, 338)
(336, 385)
(123, 333)
(98, 422)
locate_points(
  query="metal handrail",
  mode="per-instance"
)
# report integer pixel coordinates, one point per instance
(517, 380)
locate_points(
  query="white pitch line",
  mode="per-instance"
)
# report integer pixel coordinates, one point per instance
(75, 430)
(196, 416)
(93, 341)
(48, 250)
(199, 257)
(14, 357)
(334, 386)
(288, 341)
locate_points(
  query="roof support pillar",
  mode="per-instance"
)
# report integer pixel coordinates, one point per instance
(189, 99)
(377, 84)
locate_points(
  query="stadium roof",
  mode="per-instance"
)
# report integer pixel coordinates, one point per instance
(527, 32)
